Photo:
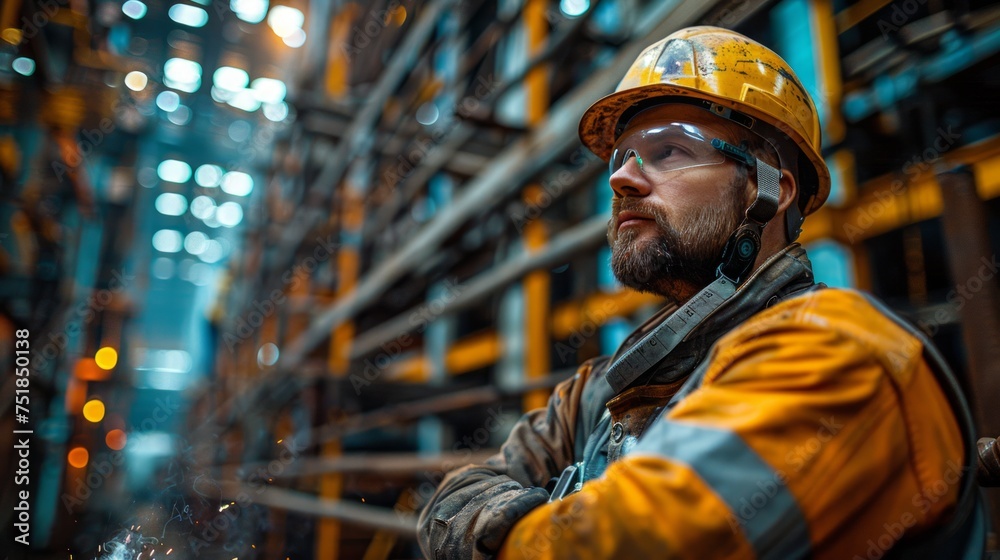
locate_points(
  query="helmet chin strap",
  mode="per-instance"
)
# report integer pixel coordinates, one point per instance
(738, 258)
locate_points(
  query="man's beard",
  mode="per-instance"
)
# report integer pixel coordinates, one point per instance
(679, 259)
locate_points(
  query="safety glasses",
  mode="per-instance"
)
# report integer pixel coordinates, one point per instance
(664, 148)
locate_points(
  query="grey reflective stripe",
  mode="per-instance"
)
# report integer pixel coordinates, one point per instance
(756, 495)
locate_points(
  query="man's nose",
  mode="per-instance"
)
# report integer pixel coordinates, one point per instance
(629, 180)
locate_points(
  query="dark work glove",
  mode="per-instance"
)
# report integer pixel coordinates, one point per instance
(473, 521)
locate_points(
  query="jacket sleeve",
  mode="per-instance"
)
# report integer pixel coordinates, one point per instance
(474, 507)
(818, 432)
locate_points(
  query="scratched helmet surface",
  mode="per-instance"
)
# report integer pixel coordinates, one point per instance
(739, 79)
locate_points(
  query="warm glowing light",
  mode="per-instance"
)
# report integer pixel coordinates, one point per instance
(106, 357)
(12, 35)
(94, 410)
(284, 20)
(136, 80)
(295, 39)
(116, 439)
(78, 457)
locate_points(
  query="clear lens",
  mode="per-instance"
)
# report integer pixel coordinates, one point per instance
(664, 148)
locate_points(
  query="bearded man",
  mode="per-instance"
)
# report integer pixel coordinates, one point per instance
(758, 414)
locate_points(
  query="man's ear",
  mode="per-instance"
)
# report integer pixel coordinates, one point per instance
(788, 206)
(789, 190)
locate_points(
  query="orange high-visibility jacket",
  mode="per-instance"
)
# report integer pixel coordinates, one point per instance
(819, 431)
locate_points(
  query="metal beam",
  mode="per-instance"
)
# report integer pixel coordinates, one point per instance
(585, 236)
(506, 173)
(354, 514)
(370, 112)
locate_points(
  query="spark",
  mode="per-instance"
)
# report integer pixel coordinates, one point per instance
(281, 440)
(169, 551)
(224, 507)
(362, 500)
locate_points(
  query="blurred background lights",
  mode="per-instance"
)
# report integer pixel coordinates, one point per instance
(229, 214)
(284, 20)
(163, 268)
(213, 252)
(168, 101)
(230, 79)
(239, 131)
(208, 176)
(181, 116)
(23, 66)
(200, 274)
(295, 39)
(106, 357)
(250, 11)
(116, 439)
(203, 207)
(136, 80)
(269, 90)
(12, 35)
(168, 241)
(191, 16)
(182, 74)
(93, 411)
(245, 100)
(174, 170)
(428, 113)
(237, 183)
(171, 204)
(78, 457)
(574, 8)
(134, 9)
(195, 242)
(268, 354)
(276, 112)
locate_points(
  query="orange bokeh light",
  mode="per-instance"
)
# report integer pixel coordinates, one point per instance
(78, 457)
(116, 439)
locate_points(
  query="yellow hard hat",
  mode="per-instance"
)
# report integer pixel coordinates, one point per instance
(730, 75)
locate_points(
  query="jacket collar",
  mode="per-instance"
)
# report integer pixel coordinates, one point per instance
(783, 275)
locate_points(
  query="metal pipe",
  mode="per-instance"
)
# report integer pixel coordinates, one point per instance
(585, 236)
(361, 515)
